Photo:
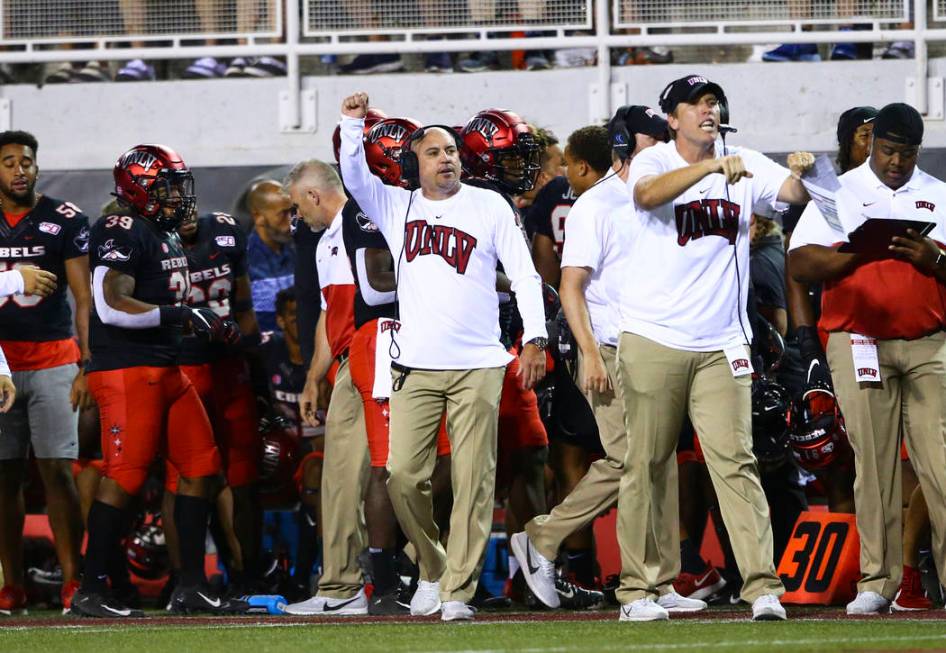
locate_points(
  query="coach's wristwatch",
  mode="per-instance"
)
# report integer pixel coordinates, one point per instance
(539, 343)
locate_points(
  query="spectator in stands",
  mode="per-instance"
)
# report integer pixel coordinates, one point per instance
(271, 255)
(802, 9)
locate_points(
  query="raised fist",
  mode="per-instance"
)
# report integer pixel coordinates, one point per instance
(800, 163)
(355, 106)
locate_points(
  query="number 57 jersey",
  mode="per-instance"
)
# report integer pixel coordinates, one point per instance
(155, 259)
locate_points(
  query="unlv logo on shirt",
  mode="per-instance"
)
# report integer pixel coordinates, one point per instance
(709, 217)
(929, 206)
(449, 243)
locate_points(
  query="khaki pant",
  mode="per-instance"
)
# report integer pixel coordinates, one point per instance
(344, 476)
(912, 389)
(471, 399)
(660, 384)
(598, 490)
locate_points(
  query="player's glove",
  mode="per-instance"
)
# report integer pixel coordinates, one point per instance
(202, 322)
(816, 364)
(231, 333)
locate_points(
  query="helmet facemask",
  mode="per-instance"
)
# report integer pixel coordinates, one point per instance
(172, 197)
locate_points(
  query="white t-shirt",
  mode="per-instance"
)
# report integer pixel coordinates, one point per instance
(445, 255)
(598, 233)
(686, 285)
(863, 195)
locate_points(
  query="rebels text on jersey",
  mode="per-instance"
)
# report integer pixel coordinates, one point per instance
(155, 258)
(214, 262)
(359, 234)
(547, 214)
(53, 232)
(286, 381)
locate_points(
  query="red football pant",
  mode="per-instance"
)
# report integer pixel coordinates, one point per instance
(144, 411)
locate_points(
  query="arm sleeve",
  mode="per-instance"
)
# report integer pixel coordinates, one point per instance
(513, 253)
(812, 229)
(645, 164)
(11, 283)
(77, 239)
(114, 317)
(767, 178)
(374, 198)
(582, 239)
(4, 366)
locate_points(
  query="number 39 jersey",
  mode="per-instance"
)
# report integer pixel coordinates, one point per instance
(215, 260)
(155, 258)
(46, 237)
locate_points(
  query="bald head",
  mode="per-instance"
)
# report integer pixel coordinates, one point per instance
(262, 193)
(269, 206)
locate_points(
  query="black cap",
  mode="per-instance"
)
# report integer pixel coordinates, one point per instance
(853, 118)
(639, 120)
(688, 89)
(900, 123)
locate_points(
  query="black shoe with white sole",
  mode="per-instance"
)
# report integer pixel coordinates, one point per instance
(101, 606)
(575, 597)
(189, 600)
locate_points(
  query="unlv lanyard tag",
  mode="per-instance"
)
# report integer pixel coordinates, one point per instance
(864, 353)
(738, 356)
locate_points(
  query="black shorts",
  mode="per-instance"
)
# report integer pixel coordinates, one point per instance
(571, 419)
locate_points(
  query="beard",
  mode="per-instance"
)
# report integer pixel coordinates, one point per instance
(25, 197)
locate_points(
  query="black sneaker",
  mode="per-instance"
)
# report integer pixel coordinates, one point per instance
(575, 597)
(101, 606)
(390, 603)
(188, 600)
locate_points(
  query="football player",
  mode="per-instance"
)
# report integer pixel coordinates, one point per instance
(43, 239)
(215, 246)
(146, 404)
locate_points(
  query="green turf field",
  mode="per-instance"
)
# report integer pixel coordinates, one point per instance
(486, 635)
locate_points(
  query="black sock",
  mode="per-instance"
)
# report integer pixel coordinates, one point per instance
(190, 517)
(118, 560)
(105, 531)
(690, 560)
(219, 537)
(308, 546)
(581, 564)
(384, 566)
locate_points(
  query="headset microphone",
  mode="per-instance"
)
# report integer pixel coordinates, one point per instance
(727, 129)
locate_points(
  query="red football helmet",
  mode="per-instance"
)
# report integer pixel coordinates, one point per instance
(499, 146)
(383, 145)
(280, 453)
(149, 178)
(373, 116)
(816, 430)
(146, 549)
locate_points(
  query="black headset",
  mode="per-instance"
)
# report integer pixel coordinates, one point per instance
(410, 166)
(619, 135)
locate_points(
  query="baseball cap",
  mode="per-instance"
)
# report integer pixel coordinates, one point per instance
(853, 118)
(687, 89)
(900, 123)
(639, 120)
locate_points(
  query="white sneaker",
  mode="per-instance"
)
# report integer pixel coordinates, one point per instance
(426, 599)
(325, 606)
(768, 608)
(868, 603)
(538, 570)
(456, 611)
(643, 610)
(673, 602)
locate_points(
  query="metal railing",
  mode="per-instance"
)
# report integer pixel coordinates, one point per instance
(48, 30)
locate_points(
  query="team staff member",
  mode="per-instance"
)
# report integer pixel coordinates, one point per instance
(447, 239)
(597, 236)
(146, 404)
(318, 197)
(684, 341)
(39, 231)
(887, 347)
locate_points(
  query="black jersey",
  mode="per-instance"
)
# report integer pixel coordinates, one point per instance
(155, 258)
(214, 262)
(359, 233)
(286, 380)
(53, 232)
(547, 214)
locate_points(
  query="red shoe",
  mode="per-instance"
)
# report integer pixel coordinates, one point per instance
(910, 597)
(12, 600)
(699, 586)
(68, 589)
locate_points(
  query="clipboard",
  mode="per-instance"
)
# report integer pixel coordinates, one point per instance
(874, 235)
